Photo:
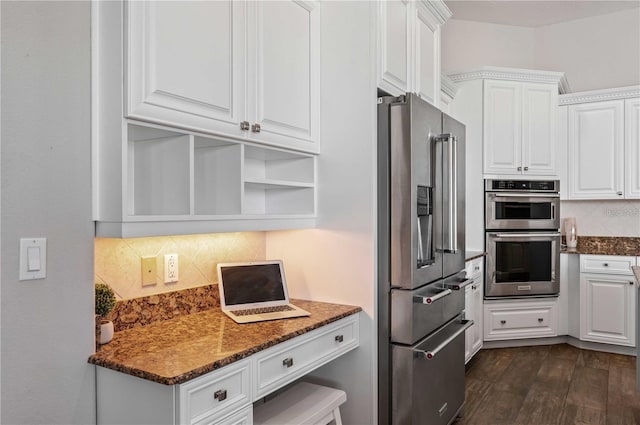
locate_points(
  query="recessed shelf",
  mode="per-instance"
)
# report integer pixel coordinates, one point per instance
(158, 172)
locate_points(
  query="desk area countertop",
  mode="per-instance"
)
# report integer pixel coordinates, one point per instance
(177, 350)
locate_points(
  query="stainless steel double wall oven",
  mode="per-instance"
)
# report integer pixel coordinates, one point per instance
(522, 221)
(421, 244)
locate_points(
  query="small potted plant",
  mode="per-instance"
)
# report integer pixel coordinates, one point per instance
(105, 301)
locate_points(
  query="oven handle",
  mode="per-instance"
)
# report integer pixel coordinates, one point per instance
(525, 235)
(430, 354)
(428, 300)
(458, 286)
(524, 195)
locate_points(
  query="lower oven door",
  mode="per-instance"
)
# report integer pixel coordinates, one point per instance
(522, 264)
(428, 378)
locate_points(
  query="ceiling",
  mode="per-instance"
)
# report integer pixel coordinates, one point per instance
(527, 13)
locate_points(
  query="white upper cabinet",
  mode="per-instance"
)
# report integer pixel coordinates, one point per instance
(596, 149)
(513, 114)
(632, 148)
(603, 144)
(409, 47)
(185, 64)
(520, 125)
(222, 67)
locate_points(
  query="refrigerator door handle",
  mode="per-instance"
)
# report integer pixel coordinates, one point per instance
(430, 354)
(458, 285)
(429, 300)
(451, 207)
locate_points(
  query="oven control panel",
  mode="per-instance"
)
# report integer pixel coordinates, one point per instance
(523, 185)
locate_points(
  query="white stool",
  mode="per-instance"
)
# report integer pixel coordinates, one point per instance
(303, 403)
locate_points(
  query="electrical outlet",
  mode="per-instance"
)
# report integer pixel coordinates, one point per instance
(170, 268)
(149, 271)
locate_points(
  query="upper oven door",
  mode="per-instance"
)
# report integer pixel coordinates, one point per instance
(505, 210)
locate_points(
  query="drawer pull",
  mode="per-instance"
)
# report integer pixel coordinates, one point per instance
(288, 362)
(503, 322)
(540, 320)
(339, 338)
(220, 395)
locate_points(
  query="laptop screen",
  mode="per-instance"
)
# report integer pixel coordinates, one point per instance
(250, 284)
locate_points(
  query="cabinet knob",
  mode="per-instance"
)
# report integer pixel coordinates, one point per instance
(502, 322)
(540, 320)
(619, 193)
(288, 362)
(339, 338)
(220, 395)
(605, 264)
(519, 168)
(526, 168)
(244, 125)
(631, 283)
(255, 128)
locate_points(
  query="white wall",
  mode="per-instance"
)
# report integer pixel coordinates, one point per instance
(594, 53)
(47, 325)
(336, 261)
(467, 45)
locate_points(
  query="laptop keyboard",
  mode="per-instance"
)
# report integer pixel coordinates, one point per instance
(262, 310)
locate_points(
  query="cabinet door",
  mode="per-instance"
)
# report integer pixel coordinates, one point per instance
(185, 64)
(469, 314)
(284, 73)
(607, 310)
(632, 148)
(427, 56)
(502, 131)
(394, 30)
(596, 166)
(476, 334)
(539, 129)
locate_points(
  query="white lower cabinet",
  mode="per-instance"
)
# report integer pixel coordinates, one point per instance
(518, 319)
(607, 299)
(473, 308)
(224, 396)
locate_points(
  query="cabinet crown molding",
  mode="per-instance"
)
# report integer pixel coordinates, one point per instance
(439, 10)
(600, 95)
(513, 74)
(447, 86)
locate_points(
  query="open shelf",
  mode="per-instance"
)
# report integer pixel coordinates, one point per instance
(217, 183)
(158, 180)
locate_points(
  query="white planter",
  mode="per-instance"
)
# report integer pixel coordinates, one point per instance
(106, 331)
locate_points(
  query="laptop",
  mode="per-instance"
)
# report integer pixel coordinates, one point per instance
(255, 292)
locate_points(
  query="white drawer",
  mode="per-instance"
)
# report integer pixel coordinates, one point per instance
(243, 417)
(520, 320)
(209, 397)
(290, 360)
(474, 267)
(609, 264)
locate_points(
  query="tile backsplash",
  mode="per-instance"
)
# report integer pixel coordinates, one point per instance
(118, 261)
(604, 218)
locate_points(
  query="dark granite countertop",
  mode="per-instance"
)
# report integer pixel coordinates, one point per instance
(472, 255)
(177, 350)
(606, 245)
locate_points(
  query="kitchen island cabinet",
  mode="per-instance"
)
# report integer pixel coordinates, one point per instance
(204, 368)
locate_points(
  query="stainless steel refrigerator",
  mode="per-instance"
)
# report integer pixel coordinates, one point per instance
(421, 278)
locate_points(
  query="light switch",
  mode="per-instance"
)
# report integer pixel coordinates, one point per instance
(33, 258)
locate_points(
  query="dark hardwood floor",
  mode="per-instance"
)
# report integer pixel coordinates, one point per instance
(553, 384)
